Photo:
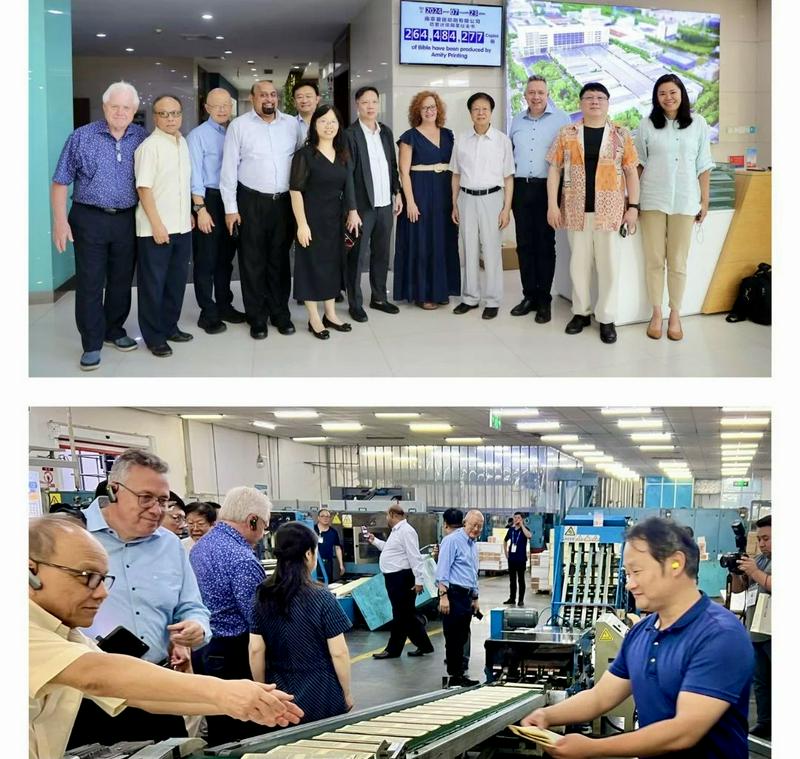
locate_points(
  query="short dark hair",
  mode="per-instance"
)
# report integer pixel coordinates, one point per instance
(480, 96)
(765, 521)
(518, 514)
(453, 517)
(361, 91)
(657, 115)
(535, 78)
(305, 83)
(664, 538)
(203, 509)
(178, 501)
(166, 95)
(594, 87)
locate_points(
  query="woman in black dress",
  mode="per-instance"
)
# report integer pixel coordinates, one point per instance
(297, 633)
(321, 189)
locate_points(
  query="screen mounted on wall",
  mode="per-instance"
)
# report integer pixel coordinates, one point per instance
(450, 34)
(625, 48)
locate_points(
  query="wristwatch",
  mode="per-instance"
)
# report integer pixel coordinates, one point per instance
(634, 205)
(442, 593)
(197, 206)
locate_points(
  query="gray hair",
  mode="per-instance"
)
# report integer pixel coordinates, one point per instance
(121, 87)
(536, 78)
(44, 532)
(243, 500)
(135, 457)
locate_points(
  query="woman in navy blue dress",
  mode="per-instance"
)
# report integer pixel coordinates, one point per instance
(297, 634)
(427, 270)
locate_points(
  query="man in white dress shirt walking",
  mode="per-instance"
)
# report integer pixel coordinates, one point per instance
(401, 565)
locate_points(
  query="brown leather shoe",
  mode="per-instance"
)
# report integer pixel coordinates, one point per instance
(654, 333)
(675, 334)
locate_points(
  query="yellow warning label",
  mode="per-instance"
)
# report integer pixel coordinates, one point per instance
(336, 519)
(54, 498)
(570, 532)
(605, 635)
(347, 520)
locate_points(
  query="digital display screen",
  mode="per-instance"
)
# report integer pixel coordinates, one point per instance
(450, 34)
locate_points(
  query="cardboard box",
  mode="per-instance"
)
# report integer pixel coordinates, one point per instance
(510, 259)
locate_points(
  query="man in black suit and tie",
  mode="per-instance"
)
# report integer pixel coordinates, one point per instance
(378, 200)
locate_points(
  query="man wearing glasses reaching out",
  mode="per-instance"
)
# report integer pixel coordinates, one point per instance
(155, 594)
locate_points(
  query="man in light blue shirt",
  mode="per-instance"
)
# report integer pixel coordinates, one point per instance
(214, 249)
(532, 132)
(306, 100)
(457, 580)
(254, 182)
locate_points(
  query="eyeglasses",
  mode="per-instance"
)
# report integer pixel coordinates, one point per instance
(90, 579)
(146, 500)
(592, 99)
(428, 108)
(168, 114)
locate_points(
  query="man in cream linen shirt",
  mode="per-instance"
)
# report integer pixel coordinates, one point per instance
(67, 584)
(163, 227)
(483, 186)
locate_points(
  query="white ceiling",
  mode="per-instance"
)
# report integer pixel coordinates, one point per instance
(276, 34)
(695, 431)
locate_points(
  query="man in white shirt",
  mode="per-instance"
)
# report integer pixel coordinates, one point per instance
(483, 186)
(254, 183)
(378, 200)
(401, 565)
(163, 227)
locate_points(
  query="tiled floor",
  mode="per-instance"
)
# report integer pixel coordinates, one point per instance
(414, 343)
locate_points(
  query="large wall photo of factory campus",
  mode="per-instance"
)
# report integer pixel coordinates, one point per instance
(488, 566)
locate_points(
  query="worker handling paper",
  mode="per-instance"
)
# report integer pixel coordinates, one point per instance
(536, 735)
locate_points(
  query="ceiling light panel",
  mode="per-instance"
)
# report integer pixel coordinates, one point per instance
(463, 440)
(342, 426)
(313, 439)
(295, 414)
(430, 426)
(744, 421)
(651, 437)
(656, 447)
(264, 425)
(397, 414)
(578, 447)
(538, 426)
(515, 412)
(741, 435)
(563, 438)
(640, 424)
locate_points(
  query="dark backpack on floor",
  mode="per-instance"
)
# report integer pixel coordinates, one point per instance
(754, 301)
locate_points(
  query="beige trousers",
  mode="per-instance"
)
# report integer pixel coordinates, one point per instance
(666, 238)
(594, 247)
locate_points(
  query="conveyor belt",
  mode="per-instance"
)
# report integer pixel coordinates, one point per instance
(440, 725)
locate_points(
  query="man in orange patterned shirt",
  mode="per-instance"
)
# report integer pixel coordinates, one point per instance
(598, 162)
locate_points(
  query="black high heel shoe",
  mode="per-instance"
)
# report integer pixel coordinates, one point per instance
(346, 327)
(322, 335)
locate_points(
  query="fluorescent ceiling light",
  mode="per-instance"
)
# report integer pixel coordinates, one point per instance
(656, 447)
(317, 439)
(736, 459)
(463, 440)
(264, 425)
(625, 410)
(207, 17)
(584, 454)
(518, 412)
(745, 410)
(295, 414)
(640, 424)
(730, 471)
(744, 421)
(397, 414)
(738, 446)
(579, 447)
(202, 416)
(563, 438)
(430, 426)
(342, 426)
(741, 435)
(538, 426)
(651, 437)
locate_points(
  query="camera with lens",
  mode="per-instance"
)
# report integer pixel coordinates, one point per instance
(730, 561)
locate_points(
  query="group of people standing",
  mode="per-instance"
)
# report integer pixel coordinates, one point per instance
(267, 180)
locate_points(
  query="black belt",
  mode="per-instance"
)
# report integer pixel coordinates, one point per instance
(481, 192)
(529, 179)
(212, 191)
(110, 211)
(268, 195)
(460, 589)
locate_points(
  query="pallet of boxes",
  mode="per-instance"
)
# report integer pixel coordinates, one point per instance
(541, 573)
(491, 557)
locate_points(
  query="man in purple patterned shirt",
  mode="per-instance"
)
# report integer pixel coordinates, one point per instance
(98, 160)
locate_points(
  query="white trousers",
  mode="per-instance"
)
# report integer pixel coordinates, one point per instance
(480, 236)
(591, 247)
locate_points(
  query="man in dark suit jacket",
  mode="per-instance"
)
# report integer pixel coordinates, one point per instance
(378, 200)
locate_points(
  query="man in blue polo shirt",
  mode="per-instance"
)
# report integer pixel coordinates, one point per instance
(688, 664)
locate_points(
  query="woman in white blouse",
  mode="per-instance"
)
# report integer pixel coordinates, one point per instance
(675, 158)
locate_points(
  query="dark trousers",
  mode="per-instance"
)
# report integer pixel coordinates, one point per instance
(762, 681)
(213, 262)
(455, 627)
(93, 725)
(265, 237)
(536, 240)
(161, 275)
(516, 573)
(376, 231)
(105, 255)
(227, 659)
(405, 623)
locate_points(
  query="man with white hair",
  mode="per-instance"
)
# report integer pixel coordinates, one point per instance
(228, 574)
(98, 159)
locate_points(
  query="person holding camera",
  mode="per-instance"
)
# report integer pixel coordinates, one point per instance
(457, 581)
(515, 547)
(756, 580)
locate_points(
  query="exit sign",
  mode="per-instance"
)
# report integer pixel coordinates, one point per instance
(495, 422)
(741, 483)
